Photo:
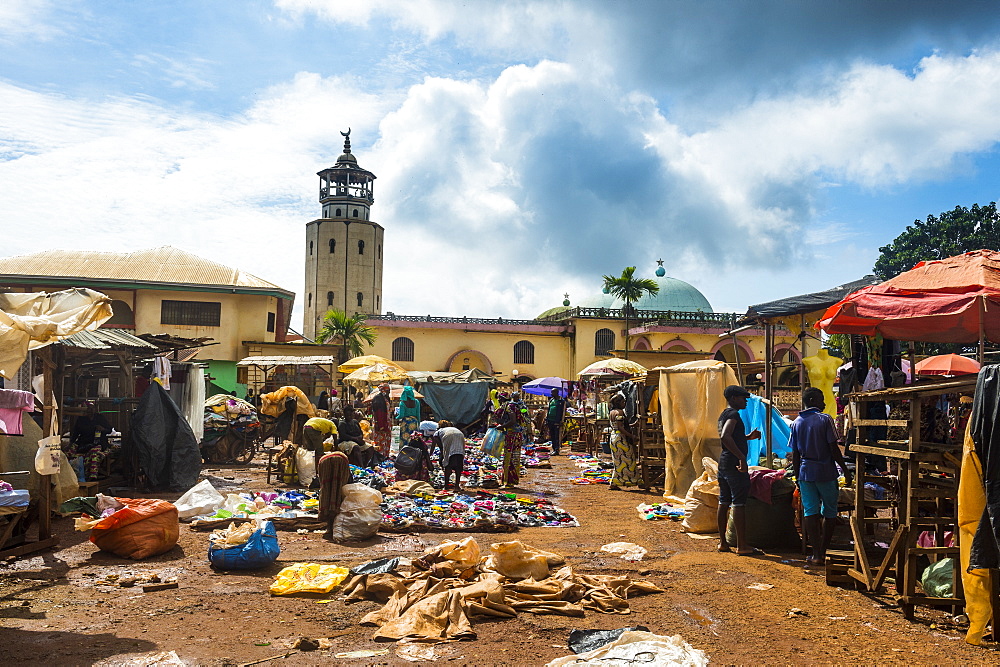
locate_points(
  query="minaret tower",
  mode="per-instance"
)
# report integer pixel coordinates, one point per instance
(344, 247)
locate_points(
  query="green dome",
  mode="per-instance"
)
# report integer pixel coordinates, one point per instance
(674, 294)
(552, 311)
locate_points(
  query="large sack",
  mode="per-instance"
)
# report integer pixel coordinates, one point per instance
(701, 505)
(360, 513)
(260, 550)
(144, 527)
(770, 525)
(516, 560)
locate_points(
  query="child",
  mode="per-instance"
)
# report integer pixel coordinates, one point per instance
(734, 480)
(815, 455)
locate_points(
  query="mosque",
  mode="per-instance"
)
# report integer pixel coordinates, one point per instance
(343, 270)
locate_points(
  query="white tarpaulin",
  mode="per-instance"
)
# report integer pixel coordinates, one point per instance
(30, 320)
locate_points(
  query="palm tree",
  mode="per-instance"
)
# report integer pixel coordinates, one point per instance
(629, 289)
(348, 330)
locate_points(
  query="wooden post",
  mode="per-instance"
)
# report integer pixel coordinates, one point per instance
(44, 505)
(982, 328)
(768, 389)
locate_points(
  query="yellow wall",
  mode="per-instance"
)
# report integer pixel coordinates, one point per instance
(244, 317)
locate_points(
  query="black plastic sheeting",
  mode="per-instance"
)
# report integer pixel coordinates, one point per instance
(581, 641)
(805, 303)
(164, 443)
(985, 427)
(380, 566)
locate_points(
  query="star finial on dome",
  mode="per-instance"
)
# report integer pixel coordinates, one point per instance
(660, 271)
(566, 299)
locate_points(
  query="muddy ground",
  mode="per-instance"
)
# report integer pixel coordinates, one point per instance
(52, 612)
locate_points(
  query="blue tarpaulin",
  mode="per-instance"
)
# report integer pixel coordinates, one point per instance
(544, 387)
(754, 416)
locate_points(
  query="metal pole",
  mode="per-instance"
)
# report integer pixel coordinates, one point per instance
(982, 328)
(768, 389)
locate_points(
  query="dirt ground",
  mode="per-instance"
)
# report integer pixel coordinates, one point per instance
(52, 612)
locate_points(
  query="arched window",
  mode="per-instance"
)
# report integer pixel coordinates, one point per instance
(361, 247)
(310, 247)
(355, 213)
(361, 299)
(333, 245)
(524, 352)
(402, 349)
(329, 298)
(604, 342)
(123, 316)
(338, 212)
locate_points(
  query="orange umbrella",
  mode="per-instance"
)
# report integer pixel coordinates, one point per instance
(947, 364)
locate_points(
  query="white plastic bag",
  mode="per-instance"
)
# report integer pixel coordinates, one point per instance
(360, 513)
(202, 498)
(49, 455)
(636, 646)
(305, 461)
(701, 505)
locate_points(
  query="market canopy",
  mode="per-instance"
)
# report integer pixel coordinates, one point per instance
(544, 386)
(804, 303)
(287, 360)
(354, 364)
(395, 392)
(613, 366)
(953, 300)
(948, 364)
(377, 374)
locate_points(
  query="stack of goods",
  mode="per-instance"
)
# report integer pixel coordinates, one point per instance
(227, 420)
(594, 471)
(11, 497)
(288, 509)
(377, 478)
(660, 511)
(482, 512)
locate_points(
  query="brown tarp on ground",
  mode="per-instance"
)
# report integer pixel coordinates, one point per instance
(691, 401)
(451, 583)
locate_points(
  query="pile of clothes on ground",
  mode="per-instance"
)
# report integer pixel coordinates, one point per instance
(593, 470)
(292, 506)
(480, 471)
(537, 456)
(228, 422)
(660, 511)
(482, 511)
(435, 596)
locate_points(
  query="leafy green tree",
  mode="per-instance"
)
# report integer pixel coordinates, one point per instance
(951, 233)
(629, 289)
(349, 331)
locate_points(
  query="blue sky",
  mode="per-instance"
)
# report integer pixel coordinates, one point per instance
(522, 148)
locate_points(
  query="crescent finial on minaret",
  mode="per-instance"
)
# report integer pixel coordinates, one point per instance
(347, 140)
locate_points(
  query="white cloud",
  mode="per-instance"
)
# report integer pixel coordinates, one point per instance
(27, 19)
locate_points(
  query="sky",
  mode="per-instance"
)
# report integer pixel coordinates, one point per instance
(522, 148)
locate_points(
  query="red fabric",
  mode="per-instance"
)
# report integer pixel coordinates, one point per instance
(938, 301)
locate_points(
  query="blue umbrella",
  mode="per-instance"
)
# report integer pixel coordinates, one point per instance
(544, 387)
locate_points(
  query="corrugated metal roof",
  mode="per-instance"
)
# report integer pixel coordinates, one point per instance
(165, 264)
(285, 361)
(106, 339)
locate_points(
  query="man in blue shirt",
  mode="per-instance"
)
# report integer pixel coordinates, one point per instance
(815, 455)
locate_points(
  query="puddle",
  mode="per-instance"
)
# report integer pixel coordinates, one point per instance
(701, 618)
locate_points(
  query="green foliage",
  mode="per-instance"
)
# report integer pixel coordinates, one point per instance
(951, 233)
(628, 288)
(349, 331)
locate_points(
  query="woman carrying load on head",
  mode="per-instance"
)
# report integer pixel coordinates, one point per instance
(624, 457)
(512, 419)
(382, 428)
(409, 414)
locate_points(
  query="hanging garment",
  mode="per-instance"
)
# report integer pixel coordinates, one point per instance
(13, 404)
(874, 381)
(161, 371)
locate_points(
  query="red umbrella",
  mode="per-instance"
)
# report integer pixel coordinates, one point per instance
(953, 300)
(947, 364)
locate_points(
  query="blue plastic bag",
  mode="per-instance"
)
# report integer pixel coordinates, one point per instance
(259, 551)
(494, 442)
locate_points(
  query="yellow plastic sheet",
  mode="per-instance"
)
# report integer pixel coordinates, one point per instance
(971, 503)
(691, 401)
(273, 404)
(308, 578)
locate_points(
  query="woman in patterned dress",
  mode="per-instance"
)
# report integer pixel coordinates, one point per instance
(382, 430)
(624, 457)
(512, 419)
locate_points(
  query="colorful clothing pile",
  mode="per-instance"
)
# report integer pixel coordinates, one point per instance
(660, 511)
(502, 512)
(594, 470)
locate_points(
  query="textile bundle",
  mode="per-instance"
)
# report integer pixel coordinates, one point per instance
(451, 582)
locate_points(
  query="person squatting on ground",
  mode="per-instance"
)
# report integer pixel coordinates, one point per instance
(451, 442)
(314, 432)
(554, 419)
(414, 460)
(512, 419)
(734, 478)
(382, 427)
(624, 454)
(334, 472)
(815, 456)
